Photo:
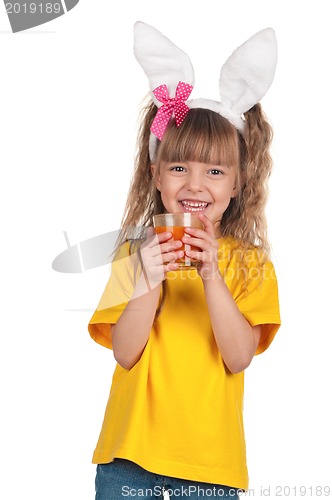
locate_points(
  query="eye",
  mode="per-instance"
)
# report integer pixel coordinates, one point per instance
(216, 171)
(177, 168)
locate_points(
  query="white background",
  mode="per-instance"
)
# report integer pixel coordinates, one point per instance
(69, 100)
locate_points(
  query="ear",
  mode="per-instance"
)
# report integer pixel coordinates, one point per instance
(156, 175)
(162, 61)
(236, 190)
(248, 72)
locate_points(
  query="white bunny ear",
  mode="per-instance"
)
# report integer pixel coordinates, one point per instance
(162, 61)
(248, 72)
(244, 78)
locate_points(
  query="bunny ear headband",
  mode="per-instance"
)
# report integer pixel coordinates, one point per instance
(244, 78)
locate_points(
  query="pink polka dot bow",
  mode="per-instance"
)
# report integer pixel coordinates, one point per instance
(170, 105)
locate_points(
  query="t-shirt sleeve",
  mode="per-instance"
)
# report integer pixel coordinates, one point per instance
(259, 302)
(117, 293)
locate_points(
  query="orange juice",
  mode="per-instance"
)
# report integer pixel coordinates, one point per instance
(185, 262)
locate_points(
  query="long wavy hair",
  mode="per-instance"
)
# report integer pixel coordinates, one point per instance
(207, 137)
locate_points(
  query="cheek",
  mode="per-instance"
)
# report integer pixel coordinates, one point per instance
(168, 203)
(167, 186)
(161, 183)
(231, 190)
(224, 191)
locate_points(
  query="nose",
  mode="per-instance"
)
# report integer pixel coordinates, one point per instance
(195, 182)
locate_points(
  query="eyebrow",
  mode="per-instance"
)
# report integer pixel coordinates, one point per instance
(220, 165)
(185, 162)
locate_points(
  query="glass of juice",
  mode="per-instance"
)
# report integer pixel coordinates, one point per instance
(176, 224)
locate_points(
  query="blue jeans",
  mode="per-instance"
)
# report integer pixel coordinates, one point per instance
(122, 479)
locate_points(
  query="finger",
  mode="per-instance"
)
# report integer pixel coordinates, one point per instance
(208, 225)
(161, 237)
(195, 231)
(171, 266)
(155, 239)
(202, 233)
(195, 255)
(206, 243)
(150, 232)
(196, 244)
(171, 246)
(167, 263)
(170, 256)
(163, 249)
(154, 259)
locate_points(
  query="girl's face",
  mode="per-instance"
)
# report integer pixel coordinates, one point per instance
(196, 188)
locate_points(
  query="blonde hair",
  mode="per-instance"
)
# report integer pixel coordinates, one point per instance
(207, 137)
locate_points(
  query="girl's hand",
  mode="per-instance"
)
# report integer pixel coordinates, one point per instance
(159, 256)
(208, 244)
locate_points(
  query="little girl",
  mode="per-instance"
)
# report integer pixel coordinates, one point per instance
(183, 338)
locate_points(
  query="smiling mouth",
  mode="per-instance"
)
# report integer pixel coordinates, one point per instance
(194, 206)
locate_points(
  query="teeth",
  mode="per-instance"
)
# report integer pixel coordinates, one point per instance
(194, 206)
(194, 203)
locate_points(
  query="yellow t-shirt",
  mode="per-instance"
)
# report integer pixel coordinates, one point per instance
(178, 411)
